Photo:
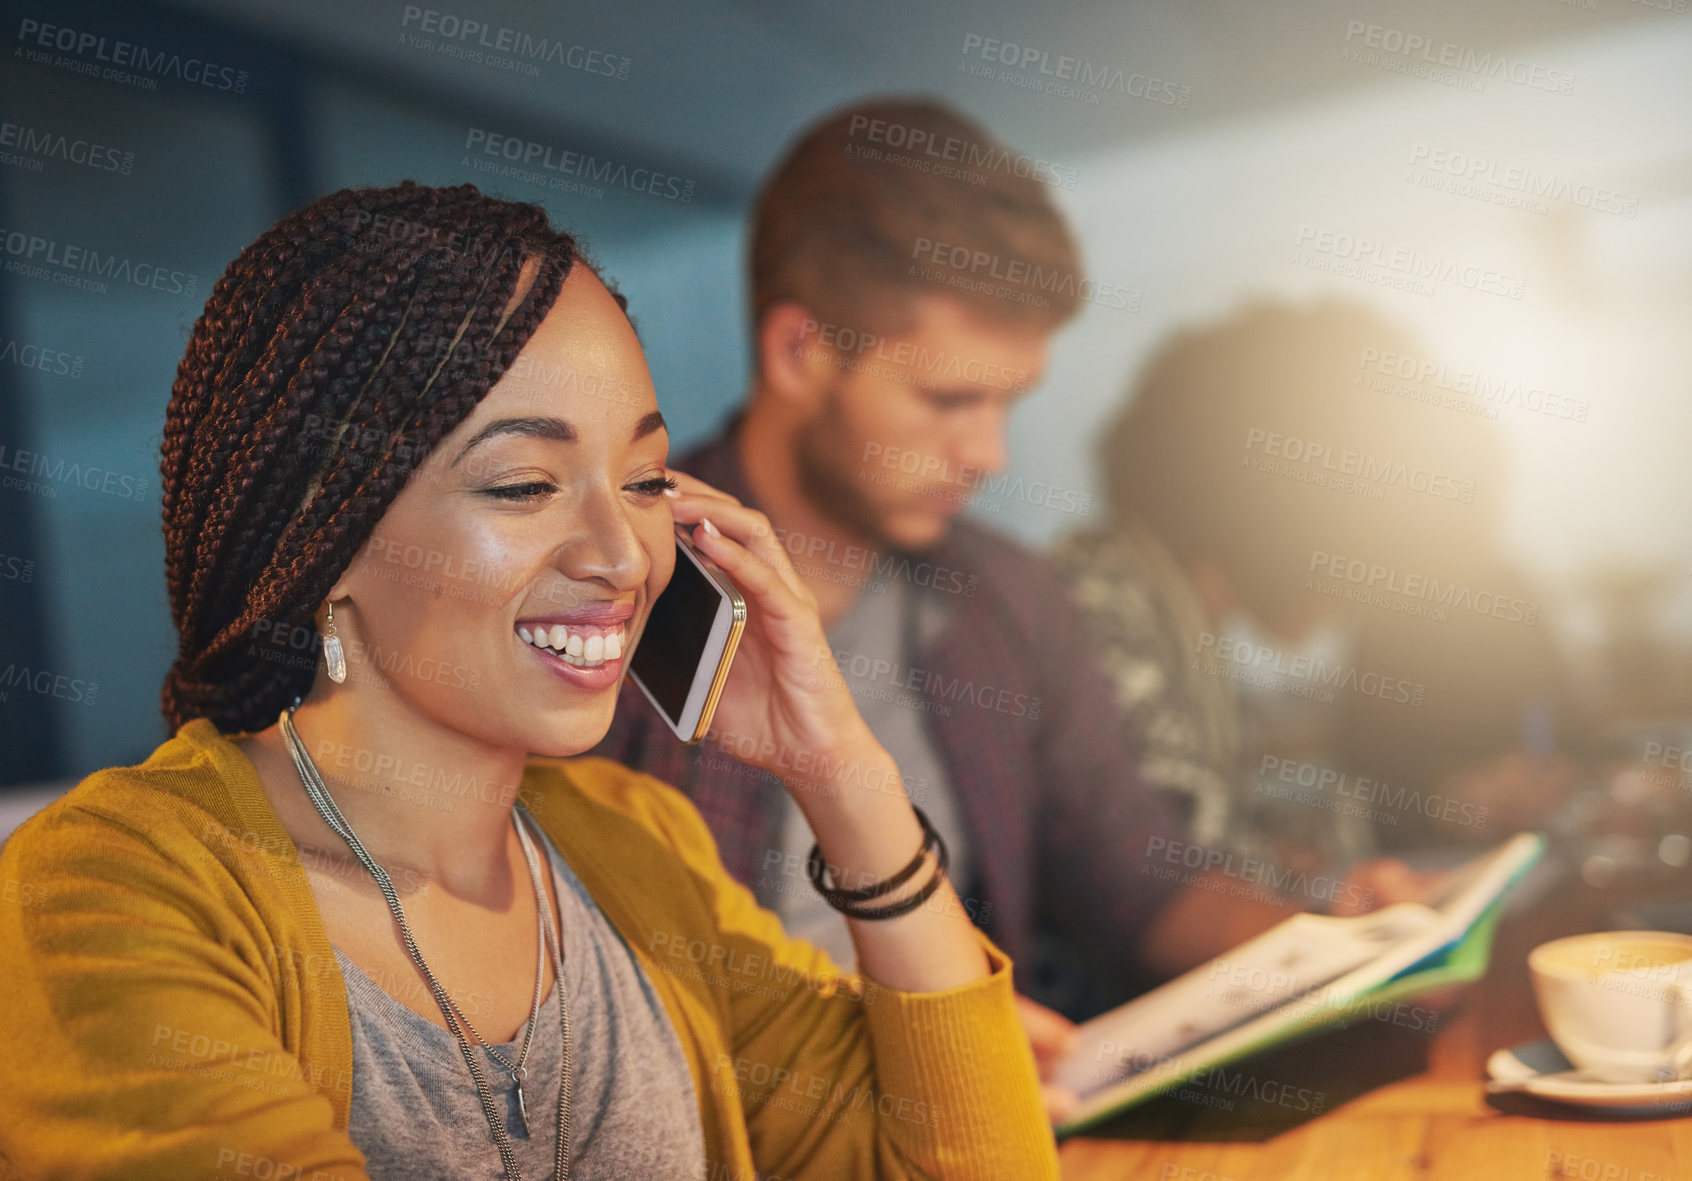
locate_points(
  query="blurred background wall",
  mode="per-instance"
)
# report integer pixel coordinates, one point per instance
(1513, 180)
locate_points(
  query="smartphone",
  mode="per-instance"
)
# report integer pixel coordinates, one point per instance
(684, 653)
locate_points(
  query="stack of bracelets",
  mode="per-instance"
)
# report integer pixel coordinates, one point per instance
(851, 902)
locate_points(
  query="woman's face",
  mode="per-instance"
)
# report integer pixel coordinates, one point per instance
(500, 591)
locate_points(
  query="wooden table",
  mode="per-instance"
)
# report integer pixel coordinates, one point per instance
(1392, 1100)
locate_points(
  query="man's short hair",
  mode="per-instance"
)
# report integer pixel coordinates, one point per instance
(891, 199)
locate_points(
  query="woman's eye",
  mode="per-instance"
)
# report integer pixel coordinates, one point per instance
(527, 491)
(655, 486)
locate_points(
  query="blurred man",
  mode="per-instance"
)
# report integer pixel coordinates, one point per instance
(907, 276)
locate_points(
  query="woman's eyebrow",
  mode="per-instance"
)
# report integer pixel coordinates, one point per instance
(534, 428)
(550, 428)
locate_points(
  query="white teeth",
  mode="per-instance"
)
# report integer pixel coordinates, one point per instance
(574, 648)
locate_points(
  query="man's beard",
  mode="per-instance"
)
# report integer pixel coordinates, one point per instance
(829, 484)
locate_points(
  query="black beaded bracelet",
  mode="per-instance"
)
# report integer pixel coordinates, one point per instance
(894, 909)
(836, 896)
(848, 902)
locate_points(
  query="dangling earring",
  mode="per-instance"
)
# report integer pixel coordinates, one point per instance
(333, 654)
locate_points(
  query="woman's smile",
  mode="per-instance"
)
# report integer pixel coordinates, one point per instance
(584, 647)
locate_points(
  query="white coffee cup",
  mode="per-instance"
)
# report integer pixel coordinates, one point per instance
(1619, 1003)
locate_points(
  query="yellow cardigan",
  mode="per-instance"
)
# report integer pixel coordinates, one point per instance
(173, 1008)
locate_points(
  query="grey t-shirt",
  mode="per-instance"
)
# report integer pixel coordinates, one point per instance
(634, 1113)
(870, 646)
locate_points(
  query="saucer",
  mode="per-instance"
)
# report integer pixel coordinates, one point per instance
(1539, 1068)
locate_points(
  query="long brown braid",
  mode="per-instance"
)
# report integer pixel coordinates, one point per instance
(333, 355)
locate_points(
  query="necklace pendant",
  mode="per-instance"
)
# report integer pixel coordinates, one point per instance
(523, 1112)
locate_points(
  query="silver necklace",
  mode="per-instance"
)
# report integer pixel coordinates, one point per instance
(331, 814)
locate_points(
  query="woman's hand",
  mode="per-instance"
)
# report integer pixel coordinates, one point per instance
(785, 708)
(789, 711)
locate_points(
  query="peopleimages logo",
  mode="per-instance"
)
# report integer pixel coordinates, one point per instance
(42, 475)
(928, 689)
(547, 159)
(45, 683)
(1429, 380)
(1499, 183)
(910, 471)
(513, 50)
(1353, 471)
(1192, 863)
(27, 355)
(1405, 263)
(1027, 282)
(83, 51)
(1074, 78)
(1276, 777)
(923, 144)
(905, 360)
(67, 264)
(16, 569)
(1301, 675)
(33, 146)
(1402, 49)
(1378, 580)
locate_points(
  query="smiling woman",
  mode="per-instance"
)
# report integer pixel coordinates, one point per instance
(312, 935)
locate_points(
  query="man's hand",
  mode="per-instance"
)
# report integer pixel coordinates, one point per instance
(1051, 1035)
(1372, 885)
(1513, 790)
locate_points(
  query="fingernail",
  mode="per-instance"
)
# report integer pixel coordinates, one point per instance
(710, 528)
(673, 493)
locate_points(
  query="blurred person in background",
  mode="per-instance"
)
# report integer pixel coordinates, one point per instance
(908, 273)
(1299, 596)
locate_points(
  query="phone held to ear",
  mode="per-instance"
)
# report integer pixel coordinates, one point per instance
(684, 653)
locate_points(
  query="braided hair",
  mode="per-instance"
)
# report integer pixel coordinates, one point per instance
(333, 355)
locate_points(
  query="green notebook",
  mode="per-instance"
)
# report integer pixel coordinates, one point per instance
(1308, 973)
